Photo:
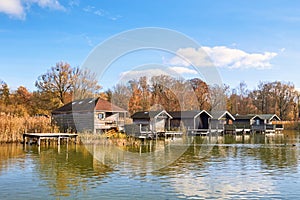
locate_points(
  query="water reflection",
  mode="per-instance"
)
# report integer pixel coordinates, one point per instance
(221, 167)
(64, 170)
(237, 166)
(11, 154)
(72, 169)
(138, 156)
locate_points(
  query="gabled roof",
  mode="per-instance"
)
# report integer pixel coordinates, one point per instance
(103, 105)
(220, 114)
(187, 114)
(269, 116)
(244, 117)
(253, 116)
(149, 114)
(88, 105)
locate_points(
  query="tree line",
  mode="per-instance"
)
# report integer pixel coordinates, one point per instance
(56, 87)
(63, 83)
(171, 94)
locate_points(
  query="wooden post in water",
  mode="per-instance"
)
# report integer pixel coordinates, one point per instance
(39, 141)
(24, 140)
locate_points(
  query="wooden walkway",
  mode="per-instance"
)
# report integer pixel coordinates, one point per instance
(40, 136)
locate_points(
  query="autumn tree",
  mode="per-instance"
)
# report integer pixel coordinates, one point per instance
(22, 100)
(57, 81)
(245, 104)
(135, 99)
(261, 98)
(201, 91)
(162, 93)
(297, 105)
(145, 93)
(44, 103)
(276, 97)
(64, 82)
(232, 102)
(4, 93)
(284, 95)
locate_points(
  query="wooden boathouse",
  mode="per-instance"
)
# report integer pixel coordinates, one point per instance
(262, 123)
(222, 122)
(93, 115)
(193, 122)
(151, 124)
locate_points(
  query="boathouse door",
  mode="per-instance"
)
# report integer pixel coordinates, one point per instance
(160, 125)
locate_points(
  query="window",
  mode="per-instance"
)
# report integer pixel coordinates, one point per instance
(257, 122)
(101, 115)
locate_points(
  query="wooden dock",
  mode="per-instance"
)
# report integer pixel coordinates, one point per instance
(40, 136)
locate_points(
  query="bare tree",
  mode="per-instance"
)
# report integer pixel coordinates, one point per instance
(218, 97)
(84, 84)
(62, 81)
(120, 96)
(57, 81)
(284, 96)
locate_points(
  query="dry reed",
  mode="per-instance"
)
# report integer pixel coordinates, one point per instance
(12, 128)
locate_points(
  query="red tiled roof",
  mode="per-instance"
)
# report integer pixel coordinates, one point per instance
(86, 105)
(103, 105)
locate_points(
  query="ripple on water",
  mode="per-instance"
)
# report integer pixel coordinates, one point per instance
(252, 169)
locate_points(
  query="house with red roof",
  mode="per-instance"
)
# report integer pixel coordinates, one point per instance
(93, 115)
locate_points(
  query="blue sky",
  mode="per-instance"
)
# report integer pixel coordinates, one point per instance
(248, 41)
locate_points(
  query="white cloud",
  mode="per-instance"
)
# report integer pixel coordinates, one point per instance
(74, 3)
(12, 8)
(221, 56)
(191, 56)
(52, 4)
(155, 71)
(100, 12)
(135, 74)
(18, 8)
(183, 70)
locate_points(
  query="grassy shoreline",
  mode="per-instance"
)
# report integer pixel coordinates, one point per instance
(12, 129)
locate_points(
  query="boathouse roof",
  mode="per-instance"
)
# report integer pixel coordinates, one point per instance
(149, 114)
(261, 116)
(187, 114)
(221, 114)
(244, 117)
(89, 104)
(269, 117)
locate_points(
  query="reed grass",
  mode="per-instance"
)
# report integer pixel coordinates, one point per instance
(12, 127)
(293, 125)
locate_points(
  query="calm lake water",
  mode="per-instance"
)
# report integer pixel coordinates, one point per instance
(230, 167)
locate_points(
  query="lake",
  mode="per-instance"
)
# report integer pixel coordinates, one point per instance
(218, 167)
